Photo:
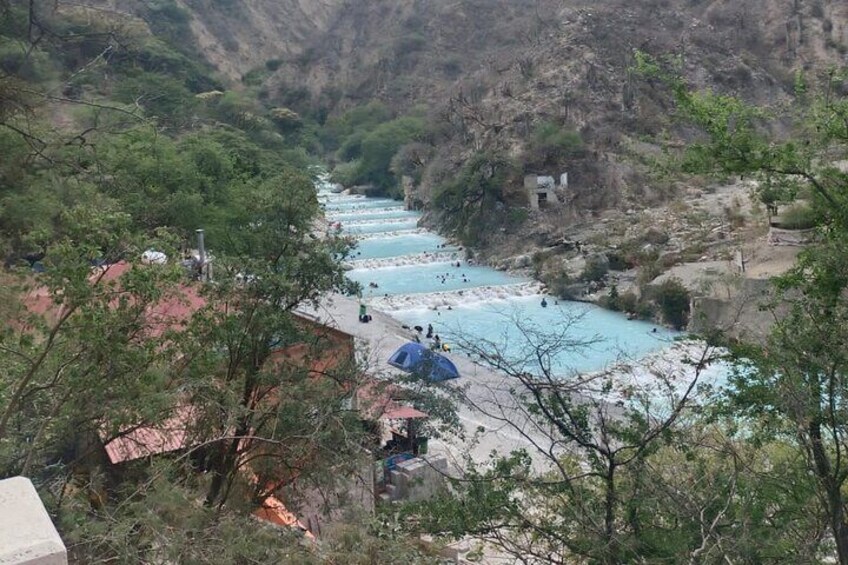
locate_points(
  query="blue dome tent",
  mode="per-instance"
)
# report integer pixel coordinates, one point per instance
(415, 358)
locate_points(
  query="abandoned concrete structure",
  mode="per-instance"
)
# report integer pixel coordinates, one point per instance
(541, 190)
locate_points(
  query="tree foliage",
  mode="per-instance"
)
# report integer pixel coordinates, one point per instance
(116, 142)
(475, 197)
(792, 386)
(369, 142)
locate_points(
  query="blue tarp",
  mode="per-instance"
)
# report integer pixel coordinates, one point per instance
(415, 358)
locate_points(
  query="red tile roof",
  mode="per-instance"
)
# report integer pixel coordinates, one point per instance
(172, 434)
(376, 401)
(172, 312)
(274, 511)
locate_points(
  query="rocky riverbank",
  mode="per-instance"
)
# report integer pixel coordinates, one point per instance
(712, 242)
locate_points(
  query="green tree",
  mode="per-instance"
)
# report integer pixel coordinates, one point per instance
(673, 300)
(793, 385)
(270, 264)
(575, 492)
(380, 146)
(552, 144)
(471, 201)
(80, 352)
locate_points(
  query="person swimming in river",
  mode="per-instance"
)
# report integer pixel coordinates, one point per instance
(429, 331)
(544, 303)
(372, 284)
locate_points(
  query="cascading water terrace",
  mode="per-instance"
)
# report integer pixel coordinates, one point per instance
(420, 278)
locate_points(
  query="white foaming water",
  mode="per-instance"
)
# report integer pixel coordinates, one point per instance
(378, 227)
(330, 197)
(412, 307)
(404, 260)
(389, 233)
(370, 215)
(408, 217)
(332, 206)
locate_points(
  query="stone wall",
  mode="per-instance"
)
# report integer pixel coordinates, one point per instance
(418, 478)
(738, 315)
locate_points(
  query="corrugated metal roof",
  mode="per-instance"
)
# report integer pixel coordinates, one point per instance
(274, 511)
(170, 435)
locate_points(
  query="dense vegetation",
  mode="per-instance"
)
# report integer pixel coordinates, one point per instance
(116, 140)
(658, 472)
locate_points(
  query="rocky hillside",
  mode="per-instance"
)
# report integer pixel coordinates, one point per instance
(511, 76)
(492, 70)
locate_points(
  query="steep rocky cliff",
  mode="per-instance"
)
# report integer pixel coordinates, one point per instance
(488, 74)
(491, 70)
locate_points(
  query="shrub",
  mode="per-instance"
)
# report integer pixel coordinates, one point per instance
(647, 273)
(410, 43)
(346, 173)
(655, 237)
(451, 66)
(159, 94)
(273, 64)
(15, 59)
(516, 217)
(552, 143)
(596, 269)
(559, 285)
(617, 261)
(613, 299)
(628, 302)
(673, 300)
(255, 77)
(286, 119)
(170, 22)
(799, 217)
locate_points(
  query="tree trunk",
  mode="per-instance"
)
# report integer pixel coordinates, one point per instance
(611, 549)
(833, 492)
(221, 469)
(226, 464)
(837, 523)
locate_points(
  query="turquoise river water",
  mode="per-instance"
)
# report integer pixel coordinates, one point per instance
(419, 278)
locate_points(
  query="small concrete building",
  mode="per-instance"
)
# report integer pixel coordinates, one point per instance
(541, 190)
(27, 535)
(416, 479)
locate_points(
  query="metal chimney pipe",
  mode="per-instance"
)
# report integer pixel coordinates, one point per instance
(201, 252)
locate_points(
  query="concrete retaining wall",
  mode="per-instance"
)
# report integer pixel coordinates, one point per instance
(27, 535)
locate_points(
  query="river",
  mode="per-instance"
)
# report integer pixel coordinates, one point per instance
(420, 278)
